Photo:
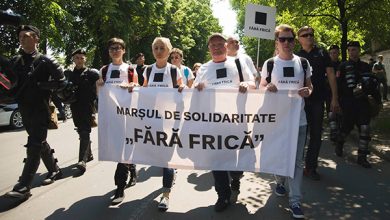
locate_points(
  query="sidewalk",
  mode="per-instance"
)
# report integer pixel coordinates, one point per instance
(380, 143)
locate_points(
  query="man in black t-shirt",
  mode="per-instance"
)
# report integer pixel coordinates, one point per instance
(314, 104)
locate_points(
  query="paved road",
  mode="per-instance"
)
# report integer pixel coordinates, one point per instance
(346, 190)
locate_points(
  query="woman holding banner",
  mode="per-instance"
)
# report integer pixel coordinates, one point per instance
(162, 74)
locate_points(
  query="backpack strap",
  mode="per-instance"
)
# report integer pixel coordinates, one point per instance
(104, 72)
(238, 64)
(174, 76)
(305, 65)
(270, 67)
(148, 72)
(130, 74)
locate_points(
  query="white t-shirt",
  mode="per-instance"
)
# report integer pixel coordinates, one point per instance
(246, 60)
(288, 75)
(186, 74)
(161, 77)
(222, 75)
(117, 74)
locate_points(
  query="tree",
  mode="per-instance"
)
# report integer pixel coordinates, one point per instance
(70, 24)
(335, 21)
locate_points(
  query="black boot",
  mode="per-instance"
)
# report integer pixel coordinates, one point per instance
(133, 175)
(83, 154)
(31, 164)
(362, 159)
(339, 149)
(54, 172)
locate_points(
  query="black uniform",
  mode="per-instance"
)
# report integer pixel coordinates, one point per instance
(355, 107)
(334, 119)
(314, 105)
(33, 70)
(83, 107)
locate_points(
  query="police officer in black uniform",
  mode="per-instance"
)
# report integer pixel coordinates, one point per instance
(82, 104)
(37, 76)
(354, 102)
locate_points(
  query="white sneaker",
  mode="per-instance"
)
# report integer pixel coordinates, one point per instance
(164, 204)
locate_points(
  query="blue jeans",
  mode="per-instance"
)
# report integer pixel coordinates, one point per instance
(294, 184)
(315, 116)
(168, 177)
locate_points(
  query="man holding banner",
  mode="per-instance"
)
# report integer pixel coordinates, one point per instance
(223, 72)
(287, 71)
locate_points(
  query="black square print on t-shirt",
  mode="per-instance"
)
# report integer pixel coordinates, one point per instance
(158, 77)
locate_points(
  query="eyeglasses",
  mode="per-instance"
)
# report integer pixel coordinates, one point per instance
(175, 57)
(307, 35)
(284, 39)
(115, 48)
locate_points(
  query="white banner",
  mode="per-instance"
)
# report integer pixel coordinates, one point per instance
(208, 130)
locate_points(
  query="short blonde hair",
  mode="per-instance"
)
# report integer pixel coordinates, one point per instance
(163, 40)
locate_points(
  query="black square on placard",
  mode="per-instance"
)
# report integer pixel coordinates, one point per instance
(261, 18)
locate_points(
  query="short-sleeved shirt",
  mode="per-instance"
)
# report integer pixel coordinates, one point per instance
(161, 77)
(186, 73)
(319, 60)
(222, 75)
(117, 74)
(288, 75)
(246, 60)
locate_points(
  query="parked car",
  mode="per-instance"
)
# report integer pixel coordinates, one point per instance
(10, 115)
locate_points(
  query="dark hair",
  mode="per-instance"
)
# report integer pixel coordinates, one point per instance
(353, 44)
(334, 46)
(138, 55)
(115, 40)
(305, 28)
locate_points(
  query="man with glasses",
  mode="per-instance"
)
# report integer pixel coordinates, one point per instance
(83, 105)
(233, 45)
(287, 67)
(314, 105)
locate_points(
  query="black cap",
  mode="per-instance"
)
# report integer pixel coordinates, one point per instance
(79, 51)
(334, 46)
(29, 28)
(353, 44)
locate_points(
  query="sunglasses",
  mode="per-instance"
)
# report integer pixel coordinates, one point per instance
(307, 35)
(115, 48)
(284, 39)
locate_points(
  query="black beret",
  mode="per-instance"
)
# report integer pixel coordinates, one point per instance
(29, 28)
(79, 51)
(334, 46)
(353, 44)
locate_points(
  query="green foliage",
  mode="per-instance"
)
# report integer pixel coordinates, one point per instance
(70, 24)
(361, 20)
